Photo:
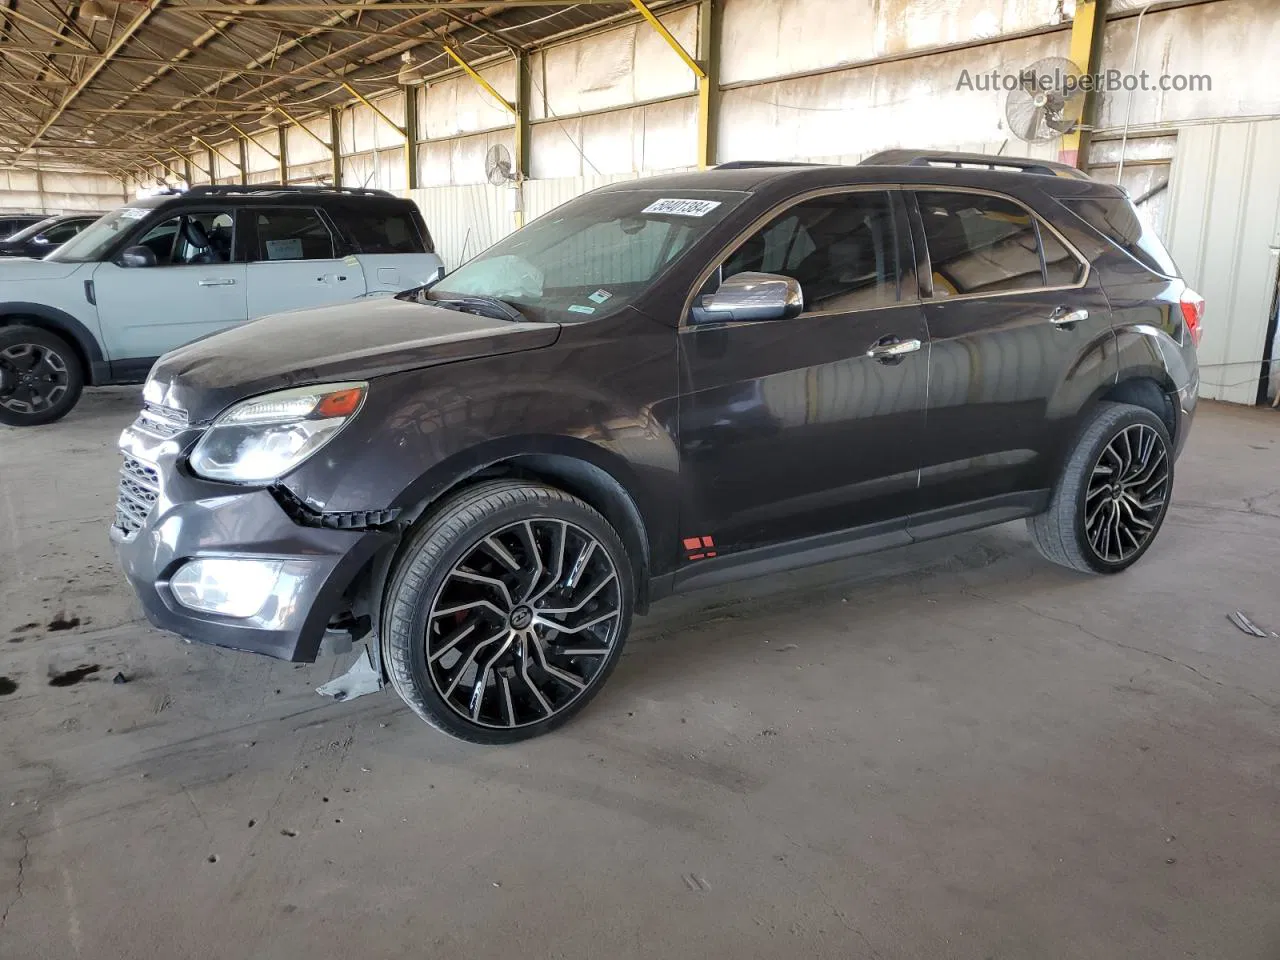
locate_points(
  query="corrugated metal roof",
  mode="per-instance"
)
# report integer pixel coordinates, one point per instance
(106, 93)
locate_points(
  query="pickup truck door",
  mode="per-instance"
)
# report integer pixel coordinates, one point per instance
(295, 262)
(196, 287)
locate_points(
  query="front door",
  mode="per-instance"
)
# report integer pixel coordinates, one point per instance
(792, 429)
(195, 288)
(294, 262)
(1020, 335)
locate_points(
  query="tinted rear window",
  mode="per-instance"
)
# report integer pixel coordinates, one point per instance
(388, 232)
(1120, 222)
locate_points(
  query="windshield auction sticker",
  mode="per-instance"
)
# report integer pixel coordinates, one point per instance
(133, 213)
(682, 208)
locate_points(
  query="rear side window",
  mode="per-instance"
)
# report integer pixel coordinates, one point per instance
(292, 233)
(1120, 222)
(979, 244)
(387, 233)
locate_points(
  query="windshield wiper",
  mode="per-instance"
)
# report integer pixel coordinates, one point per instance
(484, 306)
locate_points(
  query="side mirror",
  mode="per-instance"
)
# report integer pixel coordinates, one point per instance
(750, 296)
(138, 257)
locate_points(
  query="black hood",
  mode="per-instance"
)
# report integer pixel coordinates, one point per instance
(357, 340)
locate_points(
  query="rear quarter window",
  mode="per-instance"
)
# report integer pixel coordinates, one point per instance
(1124, 225)
(387, 231)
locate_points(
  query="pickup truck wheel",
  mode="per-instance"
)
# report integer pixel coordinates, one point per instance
(506, 612)
(1113, 494)
(40, 377)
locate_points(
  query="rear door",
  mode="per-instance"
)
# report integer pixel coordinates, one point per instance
(1020, 337)
(793, 429)
(295, 261)
(393, 246)
(197, 286)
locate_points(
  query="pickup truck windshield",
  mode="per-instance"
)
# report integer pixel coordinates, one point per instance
(94, 240)
(591, 255)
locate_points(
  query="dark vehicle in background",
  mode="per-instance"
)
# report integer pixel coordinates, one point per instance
(45, 236)
(11, 223)
(659, 386)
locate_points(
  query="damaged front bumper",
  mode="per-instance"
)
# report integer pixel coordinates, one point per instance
(199, 555)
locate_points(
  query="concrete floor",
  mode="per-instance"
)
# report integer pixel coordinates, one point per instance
(952, 750)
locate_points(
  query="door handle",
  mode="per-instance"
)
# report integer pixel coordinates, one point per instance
(891, 349)
(222, 282)
(1062, 317)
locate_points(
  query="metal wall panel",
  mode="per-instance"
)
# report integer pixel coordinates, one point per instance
(465, 220)
(858, 111)
(304, 149)
(771, 38)
(1224, 231)
(623, 66)
(1229, 42)
(459, 105)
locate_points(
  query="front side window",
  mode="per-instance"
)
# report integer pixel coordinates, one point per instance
(192, 238)
(842, 248)
(288, 233)
(591, 255)
(982, 244)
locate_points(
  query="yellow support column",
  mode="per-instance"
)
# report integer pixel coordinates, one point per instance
(1086, 54)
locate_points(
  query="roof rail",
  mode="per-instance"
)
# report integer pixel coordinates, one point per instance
(748, 164)
(945, 158)
(232, 189)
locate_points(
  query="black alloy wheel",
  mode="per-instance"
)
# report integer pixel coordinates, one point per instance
(40, 376)
(523, 623)
(1127, 493)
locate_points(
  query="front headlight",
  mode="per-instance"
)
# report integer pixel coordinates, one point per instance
(262, 438)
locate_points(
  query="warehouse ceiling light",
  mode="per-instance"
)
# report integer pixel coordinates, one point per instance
(93, 10)
(408, 74)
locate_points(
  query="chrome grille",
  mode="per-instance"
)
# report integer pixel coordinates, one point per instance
(161, 421)
(139, 491)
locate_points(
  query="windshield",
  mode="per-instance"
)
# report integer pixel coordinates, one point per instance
(591, 255)
(26, 233)
(92, 242)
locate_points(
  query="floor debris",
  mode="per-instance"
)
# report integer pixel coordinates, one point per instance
(1246, 625)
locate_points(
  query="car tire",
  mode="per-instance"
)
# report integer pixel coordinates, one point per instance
(41, 376)
(470, 604)
(1112, 497)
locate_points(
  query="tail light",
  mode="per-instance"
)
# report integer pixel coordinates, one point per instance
(1192, 313)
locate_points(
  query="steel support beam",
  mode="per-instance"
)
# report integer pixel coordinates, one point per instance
(87, 77)
(524, 103)
(368, 103)
(214, 150)
(1086, 53)
(249, 136)
(474, 75)
(672, 42)
(410, 138)
(279, 8)
(282, 158)
(708, 81)
(708, 91)
(304, 128)
(335, 144)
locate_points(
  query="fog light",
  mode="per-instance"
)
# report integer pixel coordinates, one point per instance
(228, 586)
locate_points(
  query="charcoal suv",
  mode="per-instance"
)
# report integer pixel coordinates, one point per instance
(658, 386)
